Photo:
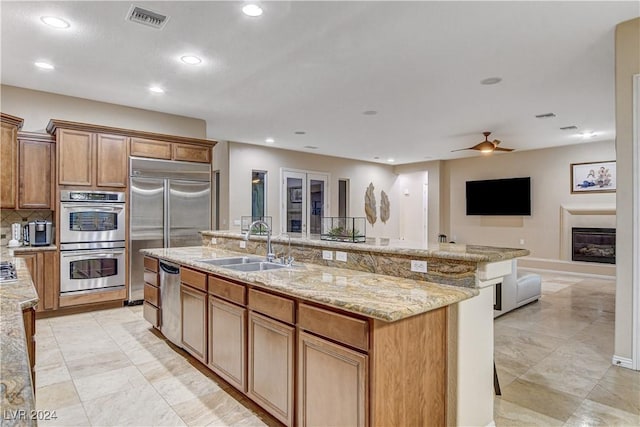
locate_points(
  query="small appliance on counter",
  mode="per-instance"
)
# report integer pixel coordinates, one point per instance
(16, 235)
(40, 232)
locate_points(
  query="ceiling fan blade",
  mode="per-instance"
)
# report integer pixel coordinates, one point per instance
(496, 141)
(462, 149)
(502, 149)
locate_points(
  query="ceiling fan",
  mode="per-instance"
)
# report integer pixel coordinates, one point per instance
(486, 146)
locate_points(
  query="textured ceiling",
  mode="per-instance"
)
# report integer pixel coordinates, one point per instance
(317, 66)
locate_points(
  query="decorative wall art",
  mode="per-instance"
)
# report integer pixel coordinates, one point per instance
(370, 204)
(593, 177)
(385, 207)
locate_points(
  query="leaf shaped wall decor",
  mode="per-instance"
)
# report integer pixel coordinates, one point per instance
(385, 207)
(370, 204)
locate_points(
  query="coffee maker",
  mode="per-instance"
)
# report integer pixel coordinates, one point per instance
(40, 232)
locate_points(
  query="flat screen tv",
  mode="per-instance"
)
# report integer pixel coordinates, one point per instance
(499, 197)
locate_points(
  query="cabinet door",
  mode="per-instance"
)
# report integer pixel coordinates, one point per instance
(194, 322)
(111, 160)
(192, 153)
(8, 166)
(270, 369)
(50, 266)
(36, 174)
(332, 383)
(75, 157)
(150, 148)
(227, 338)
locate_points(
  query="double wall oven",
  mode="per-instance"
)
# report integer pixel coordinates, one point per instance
(92, 237)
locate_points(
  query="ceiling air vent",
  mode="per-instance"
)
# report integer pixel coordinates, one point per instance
(545, 116)
(147, 17)
(569, 128)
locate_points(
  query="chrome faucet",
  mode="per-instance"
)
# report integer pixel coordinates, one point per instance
(270, 255)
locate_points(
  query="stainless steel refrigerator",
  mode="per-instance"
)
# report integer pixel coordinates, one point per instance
(170, 204)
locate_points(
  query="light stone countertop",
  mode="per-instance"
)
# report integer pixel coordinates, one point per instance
(450, 251)
(15, 371)
(372, 295)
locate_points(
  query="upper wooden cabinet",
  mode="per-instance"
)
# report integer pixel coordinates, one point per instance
(170, 151)
(91, 159)
(36, 170)
(9, 160)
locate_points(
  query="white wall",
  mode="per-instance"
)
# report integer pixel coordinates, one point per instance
(243, 158)
(549, 170)
(37, 108)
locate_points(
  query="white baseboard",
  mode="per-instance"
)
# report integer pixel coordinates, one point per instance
(622, 362)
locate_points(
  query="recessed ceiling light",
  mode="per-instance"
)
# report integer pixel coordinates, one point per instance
(269, 141)
(44, 65)
(190, 59)
(300, 132)
(390, 160)
(252, 10)
(370, 113)
(491, 81)
(311, 147)
(376, 158)
(587, 134)
(55, 22)
(156, 89)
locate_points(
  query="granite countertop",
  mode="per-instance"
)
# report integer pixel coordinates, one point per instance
(376, 296)
(474, 253)
(15, 371)
(22, 249)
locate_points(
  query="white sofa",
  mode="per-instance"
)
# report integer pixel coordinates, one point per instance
(516, 290)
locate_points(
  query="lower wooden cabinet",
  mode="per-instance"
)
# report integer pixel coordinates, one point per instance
(44, 269)
(332, 383)
(152, 302)
(194, 322)
(227, 342)
(270, 367)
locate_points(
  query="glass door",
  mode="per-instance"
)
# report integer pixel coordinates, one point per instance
(305, 202)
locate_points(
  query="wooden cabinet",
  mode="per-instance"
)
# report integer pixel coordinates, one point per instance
(270, 366)
(44, 269)
(91, 159)
(193, 303)
(29, 319)
(227, 341)
(152, 302)
(36, 178)
(332, 383)
(9, 126)
(154, 149)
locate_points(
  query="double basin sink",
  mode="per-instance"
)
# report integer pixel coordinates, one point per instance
(243, 263)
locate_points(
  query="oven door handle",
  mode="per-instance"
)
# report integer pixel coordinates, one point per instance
(91, 254)
(92, 208)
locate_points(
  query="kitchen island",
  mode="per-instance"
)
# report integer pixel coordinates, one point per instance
(322, 345)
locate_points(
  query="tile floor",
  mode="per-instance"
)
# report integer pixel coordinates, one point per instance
(553, 357)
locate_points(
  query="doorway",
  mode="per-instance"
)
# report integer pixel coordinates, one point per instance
(305, 199)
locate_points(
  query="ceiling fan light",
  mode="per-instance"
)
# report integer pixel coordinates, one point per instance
(486, 150)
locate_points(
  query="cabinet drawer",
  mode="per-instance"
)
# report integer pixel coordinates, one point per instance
(193, 278)
(151, 277)
(272, 305)
(151, 314)
(341, 328)
(151, 294)
(227, 290)
(151, 264)
(150, 148)
(192, 153)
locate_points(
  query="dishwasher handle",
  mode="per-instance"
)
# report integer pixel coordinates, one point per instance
(169, 268)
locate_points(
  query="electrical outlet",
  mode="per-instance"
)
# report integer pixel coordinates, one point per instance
(243, 244)
(328, 255)
(418, 266)
(341, 256)
(214, 241)
(522, 241)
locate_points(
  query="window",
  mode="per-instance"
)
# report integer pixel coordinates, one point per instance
(258, 194)
(343, 197)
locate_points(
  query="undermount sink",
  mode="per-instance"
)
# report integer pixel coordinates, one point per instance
(223, 262)
(255, 266)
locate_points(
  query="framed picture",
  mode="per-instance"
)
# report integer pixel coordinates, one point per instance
(595, 177)
(295, 194)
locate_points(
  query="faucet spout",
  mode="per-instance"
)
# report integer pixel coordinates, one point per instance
(270, 255)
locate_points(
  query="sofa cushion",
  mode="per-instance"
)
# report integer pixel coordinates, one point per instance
(528, 286)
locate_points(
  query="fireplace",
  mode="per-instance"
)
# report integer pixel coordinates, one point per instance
(594, 245)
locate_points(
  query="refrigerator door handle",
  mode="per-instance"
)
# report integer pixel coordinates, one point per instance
(167, 213)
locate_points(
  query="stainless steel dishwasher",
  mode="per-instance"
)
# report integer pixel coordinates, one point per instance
(170, 297)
